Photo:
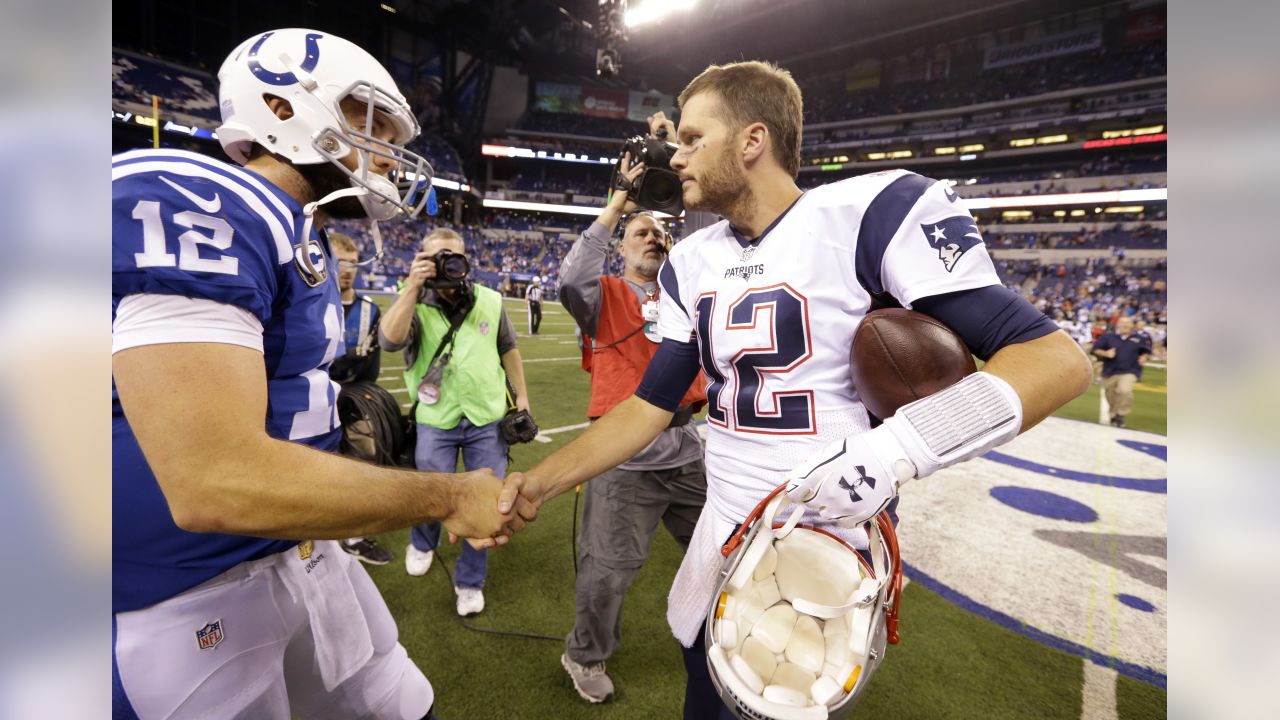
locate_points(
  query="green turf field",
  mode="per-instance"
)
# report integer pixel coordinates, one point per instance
(950, 664)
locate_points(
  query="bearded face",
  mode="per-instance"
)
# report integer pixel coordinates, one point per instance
(324, 178)
(719, 187)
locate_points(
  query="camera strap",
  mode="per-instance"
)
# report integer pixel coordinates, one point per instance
(454, 323)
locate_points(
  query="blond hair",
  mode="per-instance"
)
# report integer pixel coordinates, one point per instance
(755, 91)
(338, 241)
(443, 233)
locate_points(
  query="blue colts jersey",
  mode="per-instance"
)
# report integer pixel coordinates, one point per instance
(188, 225)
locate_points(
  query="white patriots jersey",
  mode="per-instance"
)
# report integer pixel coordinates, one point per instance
(775, 323)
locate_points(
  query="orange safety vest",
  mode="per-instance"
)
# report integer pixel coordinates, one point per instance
(616, 364)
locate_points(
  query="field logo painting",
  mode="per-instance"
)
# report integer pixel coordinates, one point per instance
(1060, 536)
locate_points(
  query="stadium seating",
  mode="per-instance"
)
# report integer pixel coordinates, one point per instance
(827, 101)
(1094, 290)
(135, 78)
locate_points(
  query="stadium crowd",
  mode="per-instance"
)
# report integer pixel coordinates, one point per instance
(826, 99)
(1088, 297)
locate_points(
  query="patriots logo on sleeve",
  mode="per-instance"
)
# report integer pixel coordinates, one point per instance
(952, 237)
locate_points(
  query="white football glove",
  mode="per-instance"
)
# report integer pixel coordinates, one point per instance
(853, 479)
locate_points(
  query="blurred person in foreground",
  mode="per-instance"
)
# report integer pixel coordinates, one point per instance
(460, 351)
(766, 303)
(533, 302)
(361, 360)
(230, 594)
(663, 482)
(1123, 354)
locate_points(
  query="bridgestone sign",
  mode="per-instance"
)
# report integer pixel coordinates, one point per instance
(1044, 47)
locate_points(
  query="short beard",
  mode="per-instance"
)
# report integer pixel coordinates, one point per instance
(325, 178)
(646, 266)
(724, 188)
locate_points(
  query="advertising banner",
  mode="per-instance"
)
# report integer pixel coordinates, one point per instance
(557, 97)
(1089, 38)
(640, 105)
(604, 102)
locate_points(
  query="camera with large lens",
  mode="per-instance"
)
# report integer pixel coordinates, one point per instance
(452, 270)
(658, 187)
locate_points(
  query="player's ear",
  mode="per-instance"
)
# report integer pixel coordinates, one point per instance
(279, 106)
(755, 142)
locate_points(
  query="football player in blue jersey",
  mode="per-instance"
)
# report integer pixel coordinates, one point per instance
(767, 302)
(231, 597)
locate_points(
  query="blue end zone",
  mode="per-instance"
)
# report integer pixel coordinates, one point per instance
(1160, 485)
(1127, 669)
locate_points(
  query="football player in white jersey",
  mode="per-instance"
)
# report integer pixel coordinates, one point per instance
(230, 597)
(766, 302)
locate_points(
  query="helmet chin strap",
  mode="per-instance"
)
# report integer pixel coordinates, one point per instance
(309, 212)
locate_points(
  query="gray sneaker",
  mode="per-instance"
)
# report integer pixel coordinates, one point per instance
(591, 681)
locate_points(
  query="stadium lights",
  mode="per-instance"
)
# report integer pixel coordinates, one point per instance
(1135, 140)
(520, 152)
(442, 183)
(653, 11)
(1150, 130)
(1022, 201)
(1085, 198)
(550, 207)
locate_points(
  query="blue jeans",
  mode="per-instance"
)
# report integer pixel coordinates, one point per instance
(437, 451)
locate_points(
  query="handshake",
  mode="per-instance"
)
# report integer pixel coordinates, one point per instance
(487, 510)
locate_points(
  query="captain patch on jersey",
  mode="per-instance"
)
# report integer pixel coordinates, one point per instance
(951, 238)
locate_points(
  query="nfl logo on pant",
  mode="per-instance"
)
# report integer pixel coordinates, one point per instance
(210, 635)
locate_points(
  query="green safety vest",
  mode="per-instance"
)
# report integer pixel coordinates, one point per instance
(474, 382)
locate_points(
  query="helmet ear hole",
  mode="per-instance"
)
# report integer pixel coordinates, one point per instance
(282, 108)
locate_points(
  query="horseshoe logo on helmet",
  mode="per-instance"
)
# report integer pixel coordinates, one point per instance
(284, 78)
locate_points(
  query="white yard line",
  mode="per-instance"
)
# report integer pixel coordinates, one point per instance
(564, 428)
(1098, 694)
(1104, 410)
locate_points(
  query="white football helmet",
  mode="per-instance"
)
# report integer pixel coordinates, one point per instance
(801, 618)
(315, 72)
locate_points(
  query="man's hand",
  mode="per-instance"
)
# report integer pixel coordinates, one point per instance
(1108, 353)
(422, 270)
(848, 481)
(658, 121)
(522, 402)
(620, 200)
(522, 497)
(476, 515)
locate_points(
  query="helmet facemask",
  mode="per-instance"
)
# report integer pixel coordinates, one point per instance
(399, 195)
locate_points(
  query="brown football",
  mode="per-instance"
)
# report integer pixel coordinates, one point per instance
(900, 355)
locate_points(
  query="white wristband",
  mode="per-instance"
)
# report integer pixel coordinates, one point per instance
(960, 422)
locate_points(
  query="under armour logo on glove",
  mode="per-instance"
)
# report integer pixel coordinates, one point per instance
(863, 478)
(822, 482)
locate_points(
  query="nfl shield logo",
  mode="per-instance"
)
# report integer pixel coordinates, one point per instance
(484, 328)
(210, 635)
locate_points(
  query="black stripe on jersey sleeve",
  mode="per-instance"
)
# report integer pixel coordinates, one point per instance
(880, 223)
(669, 375)
(670, 286)
(987, 318)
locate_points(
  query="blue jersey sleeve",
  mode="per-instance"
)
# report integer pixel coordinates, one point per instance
(198, 237)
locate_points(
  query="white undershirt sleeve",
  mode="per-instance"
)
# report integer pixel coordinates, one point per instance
(155, 319)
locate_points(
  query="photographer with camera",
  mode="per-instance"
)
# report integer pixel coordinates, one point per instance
(665, 481)
(460, 352)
